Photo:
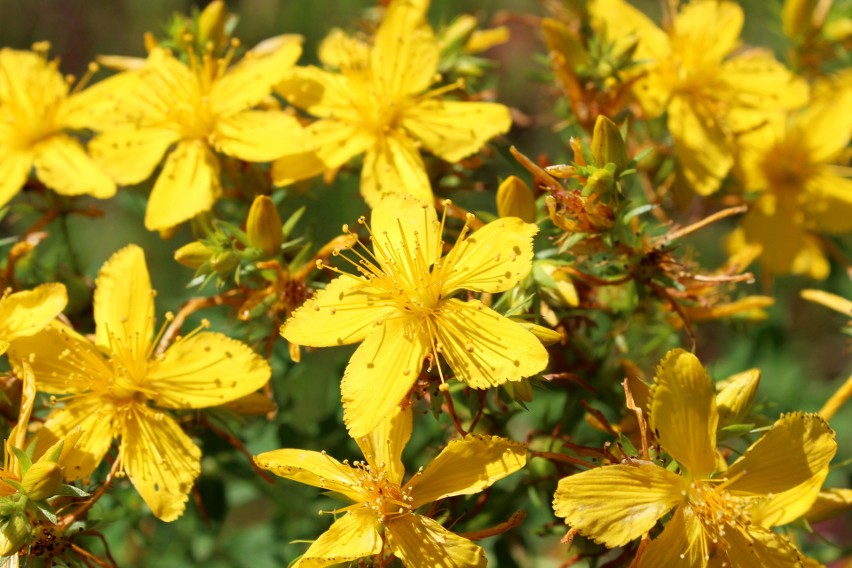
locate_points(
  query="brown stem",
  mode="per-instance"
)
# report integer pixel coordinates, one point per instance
(554, 456)
(72, 517)
(451, 410)
(238, 445)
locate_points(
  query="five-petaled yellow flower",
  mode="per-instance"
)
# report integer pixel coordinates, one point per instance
(24, 313)
(379, 105)
(690, 69)
(797, 165)
(402, 308)
(36, 112)
(199, 108)
(721, 518)
(116, 384)
(383, 507)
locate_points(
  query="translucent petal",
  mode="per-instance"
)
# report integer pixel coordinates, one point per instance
(829, 504)
(313, 468)
(682, 543)
(453, 130)
(62, 164)
(421, 542)
(187, 186)
(493, 259)
(354, 535)
(404, 59)
(484, 348)
(760, 547)
(260, 136)
(24, 313)
(161, 461)
(124, 305)
(787, 506)
(406, 237)
(797, 448)
(14, 171)
(207, 369)
(466, 467)
(394, 165)
(683, 412)
(701, 145)
(383, 446)
(245, 84)
(380, 374)
(129, 154)
(616, 504)
(345, 312)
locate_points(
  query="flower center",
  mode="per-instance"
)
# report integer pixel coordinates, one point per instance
(385, 498)
(718, 510)
(787, 166)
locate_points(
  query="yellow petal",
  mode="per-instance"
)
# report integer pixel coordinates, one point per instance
(245, 85)
(124, 303)
(394, 165)
(829, 300)
(63, 361)
(623, 22)
(259, 136)
(352, 536)
(421, 542)
(62, 165)
(340, 50)
(702, 147)
(453, 130)
(161, 461)
(321, 94)
(484, 348)
(493, 259)
(24, 313)
(14, 171)
(380, 374)
(682, 543)
(187, 186)
(383, 446)
(616, 504)
(772, 222)
(130, 154)
(756, 79)
(466, 467)
(828, 203)
(207, 369)
(756, 546)
(406, 237)
(683, 412)
(787, 506)
(830, 504)
(797, 448)
(827, 122)
(344, 312)
(405, 54)
(313, 468)
(96, 417)
(710, 28)
(17, 437)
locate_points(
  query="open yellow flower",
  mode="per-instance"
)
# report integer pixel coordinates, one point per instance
(402, 308)
(722, 519)
(36, 112)
(797, 165)
(690, 71)
(118, 382)
(383, 507)
(201, 108)
(24, 313)
(379, 105)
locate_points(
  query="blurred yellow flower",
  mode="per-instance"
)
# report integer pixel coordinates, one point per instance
(383, 507)
(37, 110)
(201, 108)
(28, 312)
(690, 70)
(402, 308)
(114, 381)
(379, 105)
(796, 163)
(722, 519)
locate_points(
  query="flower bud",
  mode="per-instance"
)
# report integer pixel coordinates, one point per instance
(515, 199)
(42, 480)
(797, 17)
(224, 262)
(608, 145)
(264, 226)
(600, 183)
(14, 534)
(736, 397)
(211, 23)
(520, 391)
(546, 335)
(193, 255)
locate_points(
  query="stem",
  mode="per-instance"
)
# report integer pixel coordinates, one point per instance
(451, 410)
(70, 518)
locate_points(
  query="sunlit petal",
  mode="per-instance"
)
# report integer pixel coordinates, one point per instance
(352, 536)
(682, 544)
(421, 542)
(383, 446)
(62, 164)
(313, 468)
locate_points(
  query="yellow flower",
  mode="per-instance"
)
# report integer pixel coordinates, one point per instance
(796, 165)
(24, 313)
(722, 519)
(402, 308)
(688, 70)
(36, 111)
(199, 108)
(379, 105)
(118, 382)
(383, 507)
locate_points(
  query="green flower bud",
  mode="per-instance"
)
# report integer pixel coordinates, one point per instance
(263, 227)
(608, 145)
(736, 397)
(193, 255)
(515, 199)
(42, 480)
(546, 335)
(14, 534)
(224, 262)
